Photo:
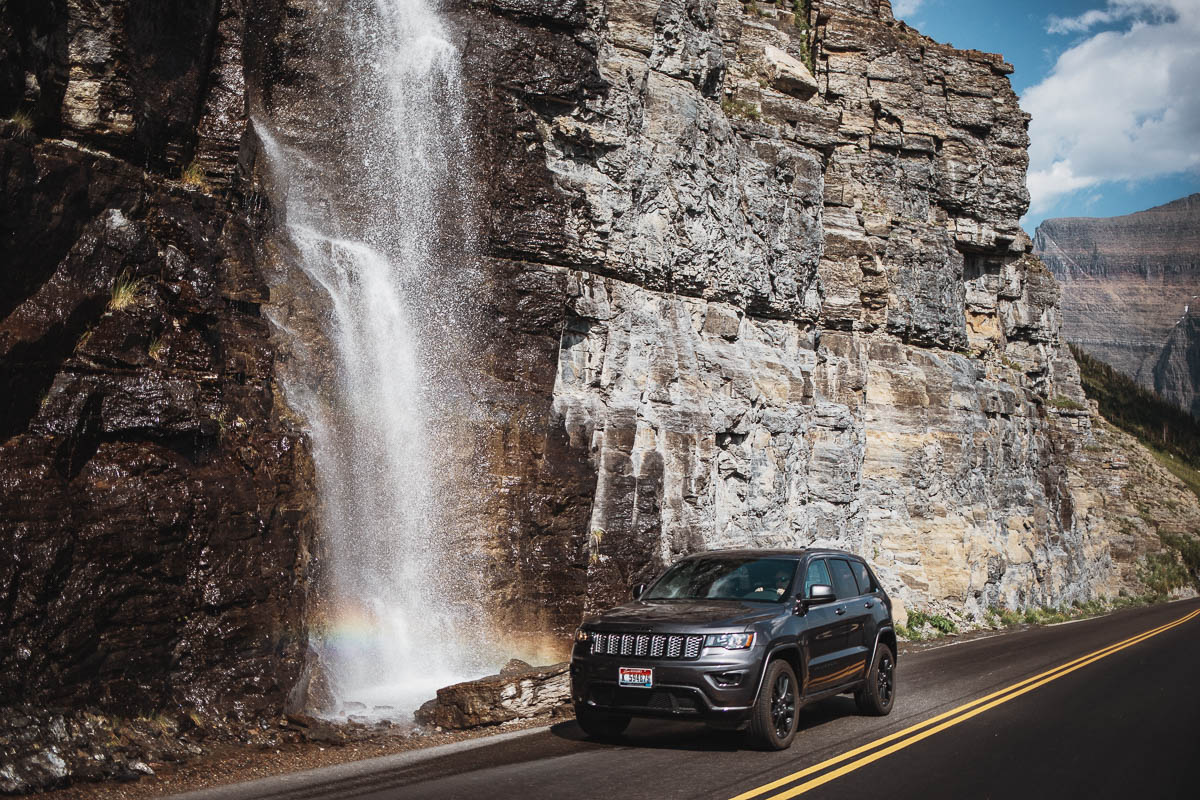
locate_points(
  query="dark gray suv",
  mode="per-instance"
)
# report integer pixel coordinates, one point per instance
(739, 636)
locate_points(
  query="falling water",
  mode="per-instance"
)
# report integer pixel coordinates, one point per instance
(370, 177)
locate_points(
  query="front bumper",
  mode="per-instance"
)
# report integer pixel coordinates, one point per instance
(682, 689)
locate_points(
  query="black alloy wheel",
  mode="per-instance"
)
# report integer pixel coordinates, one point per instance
(883, 683)
(783, 704)
(773, 720)
(879, 690)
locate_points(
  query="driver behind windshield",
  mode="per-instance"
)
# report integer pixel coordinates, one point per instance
(762, 579)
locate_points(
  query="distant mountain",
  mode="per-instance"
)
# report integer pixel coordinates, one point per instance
(1129, 292)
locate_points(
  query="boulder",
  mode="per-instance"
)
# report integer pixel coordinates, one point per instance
(788, 74)
(514, 694)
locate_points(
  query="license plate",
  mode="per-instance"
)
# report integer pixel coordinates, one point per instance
(633, 676)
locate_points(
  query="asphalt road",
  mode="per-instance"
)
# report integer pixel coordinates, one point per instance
(1106, 707)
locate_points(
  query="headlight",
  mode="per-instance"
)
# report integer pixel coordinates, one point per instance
(582, 636)
(730, 641)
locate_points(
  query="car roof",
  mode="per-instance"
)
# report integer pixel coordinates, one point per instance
(772, 553)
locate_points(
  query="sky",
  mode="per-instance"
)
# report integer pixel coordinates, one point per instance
(1113, 87)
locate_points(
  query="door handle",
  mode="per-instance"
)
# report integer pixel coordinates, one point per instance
(868, 605)
(840, 611)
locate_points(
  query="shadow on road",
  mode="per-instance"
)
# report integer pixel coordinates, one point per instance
(656, 734)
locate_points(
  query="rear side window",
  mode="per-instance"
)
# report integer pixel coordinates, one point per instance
(817, 574)
(863, 575)
(843, 579)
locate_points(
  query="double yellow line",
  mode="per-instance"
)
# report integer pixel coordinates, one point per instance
(923, 730)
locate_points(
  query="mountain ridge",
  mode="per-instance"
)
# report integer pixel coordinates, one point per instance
(1129, 284)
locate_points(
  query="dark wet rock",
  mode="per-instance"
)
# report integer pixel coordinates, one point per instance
(154, 496)
(515, 694)
(314, 729)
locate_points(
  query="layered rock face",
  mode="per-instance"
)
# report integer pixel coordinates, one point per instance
(1128, 285)
(785, 307)
(154, 495)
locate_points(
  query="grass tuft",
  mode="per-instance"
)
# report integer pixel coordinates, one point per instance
(125, 292)
(23, 124)
(194, 177)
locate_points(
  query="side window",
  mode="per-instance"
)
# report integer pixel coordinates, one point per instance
(843, 579)
(817, 573)
(863, 575)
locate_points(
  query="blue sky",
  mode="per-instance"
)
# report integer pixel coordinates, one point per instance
(1114, 87)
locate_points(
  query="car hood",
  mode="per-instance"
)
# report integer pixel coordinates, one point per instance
(684, 616)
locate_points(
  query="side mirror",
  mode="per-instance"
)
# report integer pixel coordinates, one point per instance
(638, 591)
(818, 594)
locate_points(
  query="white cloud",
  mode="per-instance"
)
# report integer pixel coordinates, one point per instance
(1116, 11)
(902, 9)
(1122, 105)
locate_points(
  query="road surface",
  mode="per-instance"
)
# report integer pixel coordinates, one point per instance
(1097, 708)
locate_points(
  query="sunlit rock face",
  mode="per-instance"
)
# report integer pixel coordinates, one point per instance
(1130, 287)
(777, 315)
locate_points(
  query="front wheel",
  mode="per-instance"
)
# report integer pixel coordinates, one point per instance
(773, 721)
(879, 692)
(599, 724)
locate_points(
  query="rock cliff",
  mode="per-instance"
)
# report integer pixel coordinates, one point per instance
(751, 275)
(756, 309)
(154, 494)
(1129, 284)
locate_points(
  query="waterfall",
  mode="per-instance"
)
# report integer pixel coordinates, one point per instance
(369, 173)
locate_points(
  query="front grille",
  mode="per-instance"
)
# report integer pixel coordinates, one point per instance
(647, 645)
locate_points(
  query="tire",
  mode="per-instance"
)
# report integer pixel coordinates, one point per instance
(877, 696)
(599, 724)
(774, 718)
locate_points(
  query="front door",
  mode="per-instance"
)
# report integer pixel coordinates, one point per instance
(824, 636)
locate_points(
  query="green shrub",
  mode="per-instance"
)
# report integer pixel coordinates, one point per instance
(940, 624)
(740, 108)
(1162, 573)
(1010, 619)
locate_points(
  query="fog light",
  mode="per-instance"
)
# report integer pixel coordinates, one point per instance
(728, 679)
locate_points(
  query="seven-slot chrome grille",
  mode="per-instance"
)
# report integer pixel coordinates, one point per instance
(647, 645)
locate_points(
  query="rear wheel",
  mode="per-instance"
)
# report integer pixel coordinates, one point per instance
(600, 724)
(773, 720)
(879, 692)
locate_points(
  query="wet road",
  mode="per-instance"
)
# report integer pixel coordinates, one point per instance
(1098, 708)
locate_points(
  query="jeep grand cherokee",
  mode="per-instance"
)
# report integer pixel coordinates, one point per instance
(735, 637)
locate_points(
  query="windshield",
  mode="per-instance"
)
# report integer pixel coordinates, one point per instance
(762, 579)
